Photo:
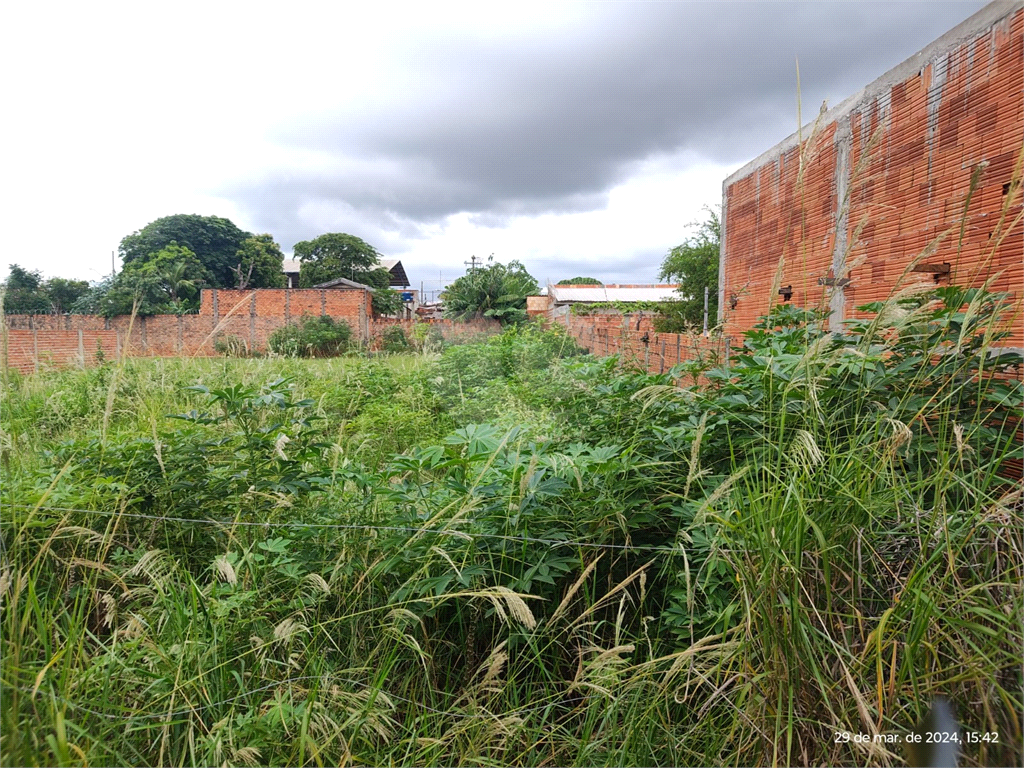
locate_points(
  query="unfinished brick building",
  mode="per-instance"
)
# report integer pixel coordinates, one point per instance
(851, 202)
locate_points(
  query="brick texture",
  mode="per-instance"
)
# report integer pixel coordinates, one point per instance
(633, 338)
(36, 342)
(884, 178)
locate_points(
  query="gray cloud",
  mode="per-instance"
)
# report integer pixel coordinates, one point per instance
(551, 124)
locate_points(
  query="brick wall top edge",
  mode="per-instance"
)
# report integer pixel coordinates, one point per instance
(976, 26)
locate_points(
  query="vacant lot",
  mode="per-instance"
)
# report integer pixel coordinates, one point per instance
(510, 552)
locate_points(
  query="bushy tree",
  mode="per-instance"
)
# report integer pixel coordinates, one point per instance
(497, 290)
(26, 293)
(335, 255)
(580, 281)
(214, 241)
(260, 264)
(313, 337)
(63, 293)
(694, 265)
(168, 282)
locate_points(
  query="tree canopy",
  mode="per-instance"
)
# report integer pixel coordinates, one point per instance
(580, 281)
(260, 264)
(335, 255)
(693, 264)
(168, 282)
(27, 293)
(215, 242)
(497, 290)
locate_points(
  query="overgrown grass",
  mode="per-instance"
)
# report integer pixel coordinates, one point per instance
(510, 553)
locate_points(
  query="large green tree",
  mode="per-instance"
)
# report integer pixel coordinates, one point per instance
(580, 281)
(694, 265)
(260, 264)
(167, 282)
(215, 242)
(335, 255)
(26, 293)
(497, 290)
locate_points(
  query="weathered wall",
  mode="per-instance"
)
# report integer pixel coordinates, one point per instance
(885, 174)
(35, 342)
(28, 351)
(633, 338)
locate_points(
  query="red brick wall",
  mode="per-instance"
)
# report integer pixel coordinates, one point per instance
(251, 316)
(884, 175)
(623, 335)
(28, 351)
(452, 330)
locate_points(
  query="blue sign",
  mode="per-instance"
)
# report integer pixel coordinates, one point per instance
(406, 295)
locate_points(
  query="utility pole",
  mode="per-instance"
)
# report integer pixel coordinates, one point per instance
(113, 271)
(473, 261)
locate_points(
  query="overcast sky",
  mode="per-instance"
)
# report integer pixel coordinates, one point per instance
(579, 138)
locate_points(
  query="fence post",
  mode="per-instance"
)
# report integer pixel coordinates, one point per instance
(662, 356)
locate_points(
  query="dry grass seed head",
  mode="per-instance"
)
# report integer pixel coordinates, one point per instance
(287, 629)
(249, 756)
(225, 570)
(503, 598)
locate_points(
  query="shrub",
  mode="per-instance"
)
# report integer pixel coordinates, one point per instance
(393, 339)
(231, 346)
(314, 337)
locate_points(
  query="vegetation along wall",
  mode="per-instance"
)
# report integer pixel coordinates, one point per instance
(927, 155)
(34, 342)
(632, 337)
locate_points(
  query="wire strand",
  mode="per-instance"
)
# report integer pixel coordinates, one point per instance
(356, 527)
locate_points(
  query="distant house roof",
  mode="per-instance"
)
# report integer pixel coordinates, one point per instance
(581, 294)
(394, 266)
(344, 284)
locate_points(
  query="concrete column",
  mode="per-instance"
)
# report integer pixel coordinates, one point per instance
(287, 305)
(35, 348)
(364, 323)
(181, 334)
(837, 301)
(81, 347)
(323, 302)
(145, 338)
(252, 321)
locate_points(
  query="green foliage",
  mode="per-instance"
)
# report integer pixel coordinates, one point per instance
(694, 265)
(158, 285)
(260, 264)
(214, 241)
(580, 281)
(335, 255)
(312, 337)
(393, 339)
(26, 293)
(386, 302)
(232, 346)
(385, 557)
(497, 290)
